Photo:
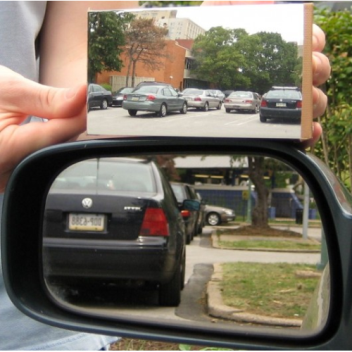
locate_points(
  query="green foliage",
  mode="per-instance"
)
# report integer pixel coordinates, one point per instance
(169, 3)
(105, 41)
(106, 86)
(336, 145)
(233, 59)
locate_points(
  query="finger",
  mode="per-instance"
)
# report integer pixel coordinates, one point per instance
(316, 134)
(29, 138)
(320, 102)
(321, 68)
(318, 38)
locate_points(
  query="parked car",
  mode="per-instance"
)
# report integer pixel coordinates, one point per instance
(242, 101)
(201, 215)
(183, 192)
(281, 103)
(201, 99)
(98, 97)
(215, 215)
(116, 220)
(117, 97)
(152, 83)
(217, 93)
(156, 98)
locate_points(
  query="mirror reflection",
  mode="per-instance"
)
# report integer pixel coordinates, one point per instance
(199, 71)
(227, 240)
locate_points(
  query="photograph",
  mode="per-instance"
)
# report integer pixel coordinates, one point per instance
(213, 71)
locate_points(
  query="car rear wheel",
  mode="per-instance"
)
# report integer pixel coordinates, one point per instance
(228, 110)
(219, 106)
(132, 112)
(188, 238)
(163, 110)
(104, 104)
(213, 219)
(262, 118)
(206, 107)
(170, 293)
(184, 109)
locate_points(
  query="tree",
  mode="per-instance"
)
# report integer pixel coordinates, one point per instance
(145, 43)
(217, 60)
(233, 59)
(271, 61)
(105, 41)
(335, 147)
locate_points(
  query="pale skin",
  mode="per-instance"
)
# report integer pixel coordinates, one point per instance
(61, 96)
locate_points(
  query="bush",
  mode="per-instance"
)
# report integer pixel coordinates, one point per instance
(106, 86)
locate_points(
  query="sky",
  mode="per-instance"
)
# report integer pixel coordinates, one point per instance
(287, 19)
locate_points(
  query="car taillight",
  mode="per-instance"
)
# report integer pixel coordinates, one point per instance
(264, 103)
(125, 97)
(185, 214)
(226, 100)
(299, 105)
(154, 223)
(151, 97)
(248, 101)
(197, 99)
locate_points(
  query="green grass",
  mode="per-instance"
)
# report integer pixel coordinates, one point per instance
(268, 289)
(265, 244)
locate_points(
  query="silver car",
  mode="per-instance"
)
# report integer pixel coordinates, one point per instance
(215, 215)
(159, 99)
(243, 101)
(201, 99)
(217, 93)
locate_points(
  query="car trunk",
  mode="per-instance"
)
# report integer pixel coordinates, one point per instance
(115, 216)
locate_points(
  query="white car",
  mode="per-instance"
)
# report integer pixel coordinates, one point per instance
(201, 99)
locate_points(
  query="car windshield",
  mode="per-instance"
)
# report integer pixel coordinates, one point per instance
(192, 92)
(106, 175)
(241, 95)
(147, 89)
(286, 94)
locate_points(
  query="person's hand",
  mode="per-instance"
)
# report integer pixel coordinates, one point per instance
(321, 73)
(65, 110)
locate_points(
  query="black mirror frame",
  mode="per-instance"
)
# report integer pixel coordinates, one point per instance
(22, 242)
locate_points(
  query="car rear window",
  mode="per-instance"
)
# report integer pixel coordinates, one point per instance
(283, 94)
(192, 92)
(241, 95)
(148, 89)
(107, 175)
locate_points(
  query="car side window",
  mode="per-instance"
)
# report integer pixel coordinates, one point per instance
(166, 92)
(173, 93)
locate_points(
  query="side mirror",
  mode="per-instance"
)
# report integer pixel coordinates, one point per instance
(58, 224)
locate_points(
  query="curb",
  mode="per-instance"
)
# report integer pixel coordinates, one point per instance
(215, 240)
(217, 308)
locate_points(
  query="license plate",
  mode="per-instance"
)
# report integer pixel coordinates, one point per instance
(86, 222)
(281, 105)
(135, 98)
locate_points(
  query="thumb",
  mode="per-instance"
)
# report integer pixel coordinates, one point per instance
(53, 103)
(21, 97)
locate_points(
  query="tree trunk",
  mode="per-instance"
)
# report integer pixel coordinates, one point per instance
(256, 174)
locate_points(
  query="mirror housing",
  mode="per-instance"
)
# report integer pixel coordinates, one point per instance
(22, 243)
